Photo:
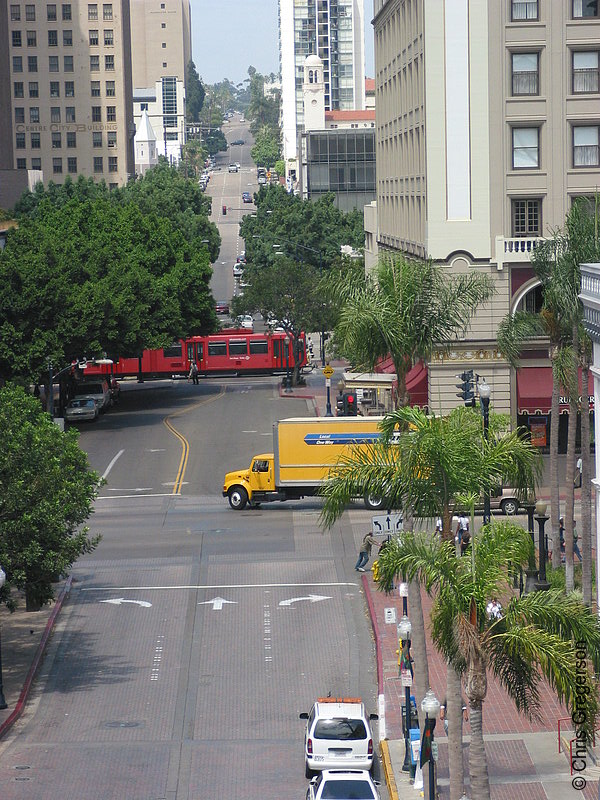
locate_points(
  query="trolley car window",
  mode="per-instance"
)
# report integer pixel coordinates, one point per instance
(173, 350)
(190, 351)
(217, 348)
(238, 348)
(277, 348)
(259, 348)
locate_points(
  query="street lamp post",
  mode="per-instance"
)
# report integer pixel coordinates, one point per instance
(430, 705)
(404, 631)
(286, 342)
(484, 395)
(3, 703)
(540, 508)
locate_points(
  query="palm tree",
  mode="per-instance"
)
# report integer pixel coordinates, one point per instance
(404, 309)
(431, 464)
(537, 636)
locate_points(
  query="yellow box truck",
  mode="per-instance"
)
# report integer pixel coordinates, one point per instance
(304, 450)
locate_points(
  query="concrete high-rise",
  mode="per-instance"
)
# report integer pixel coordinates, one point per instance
(334, 31)
(487, 128)
(65, 90)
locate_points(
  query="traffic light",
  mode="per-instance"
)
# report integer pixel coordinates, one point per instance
(224, 209)
(467, 387)
(339, 405)
(350, 404)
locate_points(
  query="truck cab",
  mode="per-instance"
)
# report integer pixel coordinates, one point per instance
(253, 485)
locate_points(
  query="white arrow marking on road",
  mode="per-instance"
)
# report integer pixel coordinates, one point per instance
(137, 489)
(217, 603)
(314, 598)
(117, 601)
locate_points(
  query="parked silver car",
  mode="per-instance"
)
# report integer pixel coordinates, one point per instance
(81, 409)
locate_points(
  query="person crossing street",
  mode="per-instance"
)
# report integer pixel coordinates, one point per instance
(365, 551)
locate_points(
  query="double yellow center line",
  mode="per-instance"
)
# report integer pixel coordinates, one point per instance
(185, 445)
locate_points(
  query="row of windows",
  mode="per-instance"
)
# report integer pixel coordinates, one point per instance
(67, 38)
(66, 12)
(70, 140)
(585, 74)
(34, 114)
(69, 89)
(57, 164)
(585, 147)
(68, 66)
(529, 10)
(238, 348)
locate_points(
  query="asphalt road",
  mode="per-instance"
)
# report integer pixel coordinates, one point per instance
(190, 687)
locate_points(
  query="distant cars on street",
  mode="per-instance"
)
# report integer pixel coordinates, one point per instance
(98, 391)
(342, 784)
(81, 409)
(222, 307)
(233, 168)
(246, 197)
(238, 141)
(238, 270)
(244, 321)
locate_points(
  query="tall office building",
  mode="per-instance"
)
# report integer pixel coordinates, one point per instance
(334, 31)
(487, 128)
(161, 49)
(65, 90)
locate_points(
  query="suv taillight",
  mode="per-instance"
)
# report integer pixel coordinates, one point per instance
(309, 746)
(370, 748)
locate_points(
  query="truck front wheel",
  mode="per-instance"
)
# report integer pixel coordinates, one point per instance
(374, 502)
(238, 497)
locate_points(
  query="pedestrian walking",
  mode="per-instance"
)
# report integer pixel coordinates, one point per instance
(561, 537)
(365, 551)
(194, 373)
(576, 551)
(463, 536)
(444, 716)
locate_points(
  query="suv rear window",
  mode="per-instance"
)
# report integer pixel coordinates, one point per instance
(340, 790)
(340, 729)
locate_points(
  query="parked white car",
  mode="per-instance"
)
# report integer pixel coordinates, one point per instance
(245, 321)
(343, 784)
(97, 390)
(238, 270)
(81, 409)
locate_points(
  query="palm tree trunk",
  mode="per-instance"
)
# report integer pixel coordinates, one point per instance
(570, 473)
(478, 770)
(554, 481)
(455, 724)
(418, 644)
(586, 490)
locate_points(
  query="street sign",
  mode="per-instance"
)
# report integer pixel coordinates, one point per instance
(390, 615)
(406, 678)
(328, 371)
(434, 751)
(387, 523)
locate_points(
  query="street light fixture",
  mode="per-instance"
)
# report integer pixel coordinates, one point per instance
(3, 703)
(541, 584)
(430, 705)
(404, 631)
(484, 395)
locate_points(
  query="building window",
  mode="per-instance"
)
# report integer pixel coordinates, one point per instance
(143, 106)
(30, 13)
(34, 89)
(55, 114)
(35, 141)
(51, 13)
(17, 64)
(32, 63)
(98, 164)
(95, 88)
(52, 38)
(585, 146)
(66, 12)
(107, 11)
(92, 11)
(71, 139)
(15, 13)
(19, 114)
(111, 113)
(109, 39)
(20, 141)
(31, 39)
(164, 64)
(110, 88)
(18, 89)
(109, 63)
(53, 63)
(69, 88)
(111, 139)
(523, 10)
(57, 166)
(96, 113)
(68, 63)
(68, 38)
(96, 139)
(164, 45)
(112, 164)
(34, 114)
(94, 63)
(93, 38)
(71, 164)
(585, 72)
(526, 148)
(54, 89)
(585, 8)
(56, 141)
(526, 218)
(70, 114)
(16, 39)
(163, 24)
(21, 163)
(36, 163)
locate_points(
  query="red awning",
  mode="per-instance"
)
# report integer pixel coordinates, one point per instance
(417, 386)
(534, 391)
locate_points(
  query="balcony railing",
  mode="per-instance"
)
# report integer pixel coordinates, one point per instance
(525, 83)
(517, 249)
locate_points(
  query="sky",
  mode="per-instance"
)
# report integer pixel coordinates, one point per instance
(230, 35)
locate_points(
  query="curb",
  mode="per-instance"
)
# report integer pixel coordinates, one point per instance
(23, 697)
(387, 770)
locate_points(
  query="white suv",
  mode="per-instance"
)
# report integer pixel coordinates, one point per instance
(338, 735)
(233, 167)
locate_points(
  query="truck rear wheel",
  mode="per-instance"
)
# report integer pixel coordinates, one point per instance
(238, 497)
(374, 502)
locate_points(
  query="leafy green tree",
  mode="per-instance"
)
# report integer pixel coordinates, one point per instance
(404, 309)
(266, 151)
(46, 494)
(193, 156)
(541, 635)
(194, 93)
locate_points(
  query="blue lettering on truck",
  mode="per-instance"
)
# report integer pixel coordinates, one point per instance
(341, 438)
